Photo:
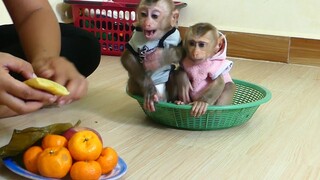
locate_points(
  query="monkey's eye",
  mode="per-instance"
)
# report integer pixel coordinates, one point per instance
(201, 44)
(192, 43)
(143, 14)
(154, 16)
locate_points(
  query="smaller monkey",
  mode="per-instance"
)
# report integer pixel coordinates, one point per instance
(205, 79)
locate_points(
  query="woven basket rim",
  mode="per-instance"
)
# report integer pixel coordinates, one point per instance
(260, 88)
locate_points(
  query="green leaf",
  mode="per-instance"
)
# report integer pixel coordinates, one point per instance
(23, 139)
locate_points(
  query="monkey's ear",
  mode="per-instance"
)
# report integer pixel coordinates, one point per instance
(221, 41)
(175, 18)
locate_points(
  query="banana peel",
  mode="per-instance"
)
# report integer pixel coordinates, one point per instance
(47, 85)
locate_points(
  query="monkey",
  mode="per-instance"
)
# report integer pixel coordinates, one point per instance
(204, 78)
(154, 45)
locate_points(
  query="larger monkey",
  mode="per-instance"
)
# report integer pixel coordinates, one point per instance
(151, 50)
(207, 69)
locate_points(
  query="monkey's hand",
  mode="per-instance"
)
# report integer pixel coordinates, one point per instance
(153, 60)
(198, 108)
(183, 87)
(150, 97)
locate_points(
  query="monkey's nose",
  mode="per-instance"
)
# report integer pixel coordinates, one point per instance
(195, 54)
(147, 23)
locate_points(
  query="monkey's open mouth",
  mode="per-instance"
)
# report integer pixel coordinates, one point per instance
(149, 34)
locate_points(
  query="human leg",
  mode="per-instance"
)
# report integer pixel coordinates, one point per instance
(80, 47)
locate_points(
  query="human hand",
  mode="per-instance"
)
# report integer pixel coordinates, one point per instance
(153, 60)
(15, 96)
(60, 70)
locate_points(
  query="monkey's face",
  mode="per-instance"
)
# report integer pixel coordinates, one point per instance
(155, 19)
(201, 47)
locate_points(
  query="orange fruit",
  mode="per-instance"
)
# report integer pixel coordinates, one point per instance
(108, 159)
(85, 170)
(30, 157)
(54, 162)
(54, 140)
(85, 146)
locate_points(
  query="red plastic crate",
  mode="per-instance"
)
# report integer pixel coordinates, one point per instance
(110, 22)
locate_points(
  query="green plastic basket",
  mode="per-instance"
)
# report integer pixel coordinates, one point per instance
(247, 99)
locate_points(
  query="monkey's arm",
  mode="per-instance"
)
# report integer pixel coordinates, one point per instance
(139, 80)
(179, 86)
(174, 54)
(209, 96)
(134, 68)
(162, 57)
(212, 93)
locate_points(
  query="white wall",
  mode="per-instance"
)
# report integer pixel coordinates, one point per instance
(294, 18)
(4, 17)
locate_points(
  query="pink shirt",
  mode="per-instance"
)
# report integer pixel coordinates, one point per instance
(202, 74)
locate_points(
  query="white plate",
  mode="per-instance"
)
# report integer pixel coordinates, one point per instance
(116, 173)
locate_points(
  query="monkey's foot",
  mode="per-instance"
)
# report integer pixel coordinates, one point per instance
(179, 102)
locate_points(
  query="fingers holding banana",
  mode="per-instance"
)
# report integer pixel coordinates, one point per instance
(48, 86)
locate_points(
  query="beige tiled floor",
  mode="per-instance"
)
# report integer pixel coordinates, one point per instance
(279, 142)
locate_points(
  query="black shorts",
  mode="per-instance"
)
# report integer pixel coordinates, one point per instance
(77, 45)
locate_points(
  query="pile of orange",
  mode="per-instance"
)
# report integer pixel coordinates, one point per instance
(82, 157)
